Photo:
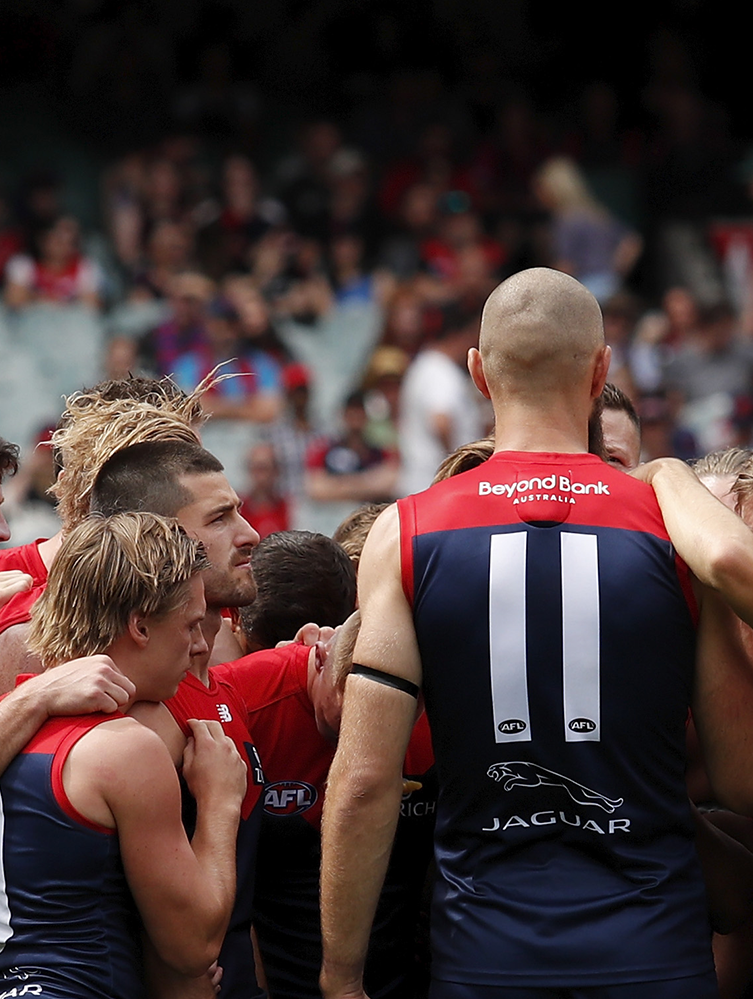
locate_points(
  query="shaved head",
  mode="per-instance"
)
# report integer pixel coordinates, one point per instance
(540, 331)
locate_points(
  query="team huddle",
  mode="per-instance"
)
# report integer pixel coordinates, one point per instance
(189, 807)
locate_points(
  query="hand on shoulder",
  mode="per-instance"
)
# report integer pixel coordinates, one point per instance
(83, 686)
(13, 581)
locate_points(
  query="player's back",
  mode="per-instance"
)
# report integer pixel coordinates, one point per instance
(557, 639)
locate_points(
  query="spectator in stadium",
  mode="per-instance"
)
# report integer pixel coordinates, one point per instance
(57, 271)
(248, 386)
(264, 505)
(588, 242)
(438, 409)
(293, 433)
(349, 468)
(168, 251)
(185, 327)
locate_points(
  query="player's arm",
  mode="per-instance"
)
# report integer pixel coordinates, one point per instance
(184, 891)
(366, 778)
(158, 718)
(723, 704)
(79, 687)
(15, 657)
(713, 541)
(163, 982)
(727, 867)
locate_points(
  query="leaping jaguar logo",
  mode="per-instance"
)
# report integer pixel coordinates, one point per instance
(520, 774)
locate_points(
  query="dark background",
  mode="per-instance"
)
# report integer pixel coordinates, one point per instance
(110, 73)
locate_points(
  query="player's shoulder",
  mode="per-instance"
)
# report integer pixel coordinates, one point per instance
(123, 752)
(121, 730)
(26, 558)
(265, 676)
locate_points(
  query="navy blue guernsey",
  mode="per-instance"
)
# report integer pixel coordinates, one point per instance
(556, 627)
(68, 925)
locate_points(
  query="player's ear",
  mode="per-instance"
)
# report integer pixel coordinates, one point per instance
(476, 370)
(138, 629)
(601, 371)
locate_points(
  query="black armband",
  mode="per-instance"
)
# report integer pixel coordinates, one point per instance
(388, 679)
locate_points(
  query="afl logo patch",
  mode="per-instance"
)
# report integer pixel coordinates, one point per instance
(581, 725)
(512, 725)
(289, 797)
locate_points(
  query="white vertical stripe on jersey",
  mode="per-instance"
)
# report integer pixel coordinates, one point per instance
(580, 637)
(507, 637)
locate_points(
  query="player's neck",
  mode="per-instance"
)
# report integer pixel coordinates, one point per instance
(210, 627)
(537, 431)
(201, 670)
(48, 549)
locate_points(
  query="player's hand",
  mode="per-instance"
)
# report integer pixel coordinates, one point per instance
(212, 766)
(310, 634)
(83, 686)
(13, 581)
(648, 471)
(215, 976)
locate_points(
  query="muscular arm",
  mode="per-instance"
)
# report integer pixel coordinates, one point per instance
(365, 782)
(711, 539)
(121, 775)
(163, 981)
(79, 687)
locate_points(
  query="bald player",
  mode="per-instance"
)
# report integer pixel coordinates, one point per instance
(537, 603)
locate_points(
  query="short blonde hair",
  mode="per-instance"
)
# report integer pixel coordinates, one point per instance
(89, 435)
(565, 184)
(107, 568)
(727, 461)
(742, 488)
(162, 393)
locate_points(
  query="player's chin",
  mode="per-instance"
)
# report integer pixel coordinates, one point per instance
(245, 589)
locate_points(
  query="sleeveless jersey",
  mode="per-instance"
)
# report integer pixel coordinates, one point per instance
(68, 925)
(26, 558)
(556, 631)
(219, 702)
(273, 684)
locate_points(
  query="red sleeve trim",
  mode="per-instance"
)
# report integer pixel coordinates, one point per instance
(58, 762)
(406, 510)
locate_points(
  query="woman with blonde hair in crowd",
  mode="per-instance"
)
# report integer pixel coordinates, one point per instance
(587, 240)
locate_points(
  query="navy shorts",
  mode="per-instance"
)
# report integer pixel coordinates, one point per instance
(697, 987)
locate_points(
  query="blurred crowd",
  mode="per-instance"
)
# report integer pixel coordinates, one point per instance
(335, 285)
